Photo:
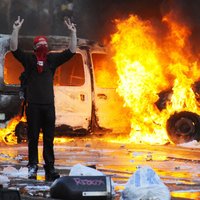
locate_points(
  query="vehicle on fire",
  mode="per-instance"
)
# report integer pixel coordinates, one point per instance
(181, 126)
(86, 100)
(85, 96)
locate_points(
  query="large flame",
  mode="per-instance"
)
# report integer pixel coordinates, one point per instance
(149, 62)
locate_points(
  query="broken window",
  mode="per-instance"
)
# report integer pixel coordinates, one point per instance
(104, 71)
(12, 69)
(71, 73)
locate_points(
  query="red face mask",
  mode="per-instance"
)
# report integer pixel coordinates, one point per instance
(41, 55)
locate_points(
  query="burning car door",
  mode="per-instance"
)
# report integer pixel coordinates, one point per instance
(73, 94)
(110, 112)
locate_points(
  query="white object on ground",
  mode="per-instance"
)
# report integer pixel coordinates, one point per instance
(81, 170)
(4, 180)
(13, 172)
(145, 184)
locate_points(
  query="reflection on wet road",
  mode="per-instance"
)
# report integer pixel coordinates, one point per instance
(178, 167)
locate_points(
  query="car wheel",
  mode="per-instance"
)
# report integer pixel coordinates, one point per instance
(183, 127)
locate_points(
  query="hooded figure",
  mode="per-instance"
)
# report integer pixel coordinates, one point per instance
(40, 111)
(41, 50)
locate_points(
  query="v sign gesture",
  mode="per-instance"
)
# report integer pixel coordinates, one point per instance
(73, 42)
(18, 23)
(14, 36)
(70, 25)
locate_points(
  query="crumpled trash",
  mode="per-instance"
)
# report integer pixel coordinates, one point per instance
(4, 180)
(81, 170)
(13, 172)
(145, 184)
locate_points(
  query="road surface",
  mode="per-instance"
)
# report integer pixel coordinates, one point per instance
(177, 166)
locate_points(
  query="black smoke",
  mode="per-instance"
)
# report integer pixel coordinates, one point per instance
(95, 19)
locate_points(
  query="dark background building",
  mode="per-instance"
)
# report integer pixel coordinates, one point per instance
(94, 19)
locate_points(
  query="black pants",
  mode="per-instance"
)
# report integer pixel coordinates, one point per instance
(41, 117)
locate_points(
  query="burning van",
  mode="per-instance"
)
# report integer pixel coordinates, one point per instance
(85, 94)
(145, 84)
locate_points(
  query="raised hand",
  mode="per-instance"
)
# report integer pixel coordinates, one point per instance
(18, 23)
(71, 26)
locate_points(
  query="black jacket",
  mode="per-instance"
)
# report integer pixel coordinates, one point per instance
(40, 85)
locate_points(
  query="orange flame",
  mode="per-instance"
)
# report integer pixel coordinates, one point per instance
(8, 134)
(147, 65)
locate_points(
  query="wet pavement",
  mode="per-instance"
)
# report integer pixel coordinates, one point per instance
(177, 166)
